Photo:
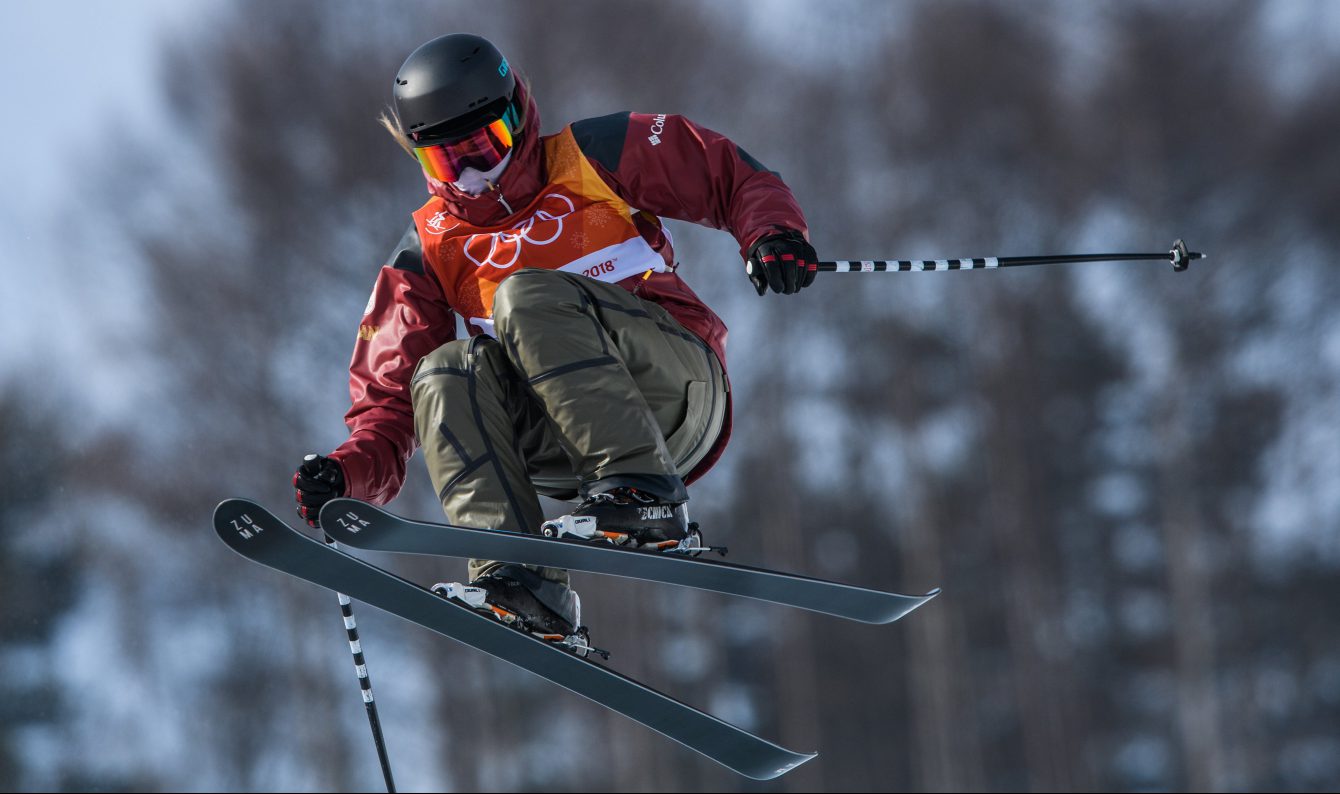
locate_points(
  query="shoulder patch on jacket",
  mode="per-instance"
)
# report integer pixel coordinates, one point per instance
(408, 253)
(601, 138)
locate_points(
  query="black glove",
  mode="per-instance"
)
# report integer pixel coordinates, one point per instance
(782, 261)
(318, 480)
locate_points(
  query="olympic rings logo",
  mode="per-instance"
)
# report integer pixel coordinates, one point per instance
(542, 228)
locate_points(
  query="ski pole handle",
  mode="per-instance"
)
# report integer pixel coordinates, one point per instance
(1179, 256)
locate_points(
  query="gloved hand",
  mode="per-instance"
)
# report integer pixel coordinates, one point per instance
(782, 261)
(318, 480)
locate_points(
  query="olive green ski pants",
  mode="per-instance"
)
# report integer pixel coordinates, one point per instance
(585, 388)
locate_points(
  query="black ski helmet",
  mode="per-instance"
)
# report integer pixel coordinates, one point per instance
(452, 84)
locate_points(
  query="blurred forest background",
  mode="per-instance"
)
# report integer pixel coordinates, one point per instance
(1125, 480)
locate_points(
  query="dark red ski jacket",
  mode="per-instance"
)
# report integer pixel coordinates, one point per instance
(663, 164)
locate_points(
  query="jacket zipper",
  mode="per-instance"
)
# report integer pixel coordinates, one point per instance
(499, 196)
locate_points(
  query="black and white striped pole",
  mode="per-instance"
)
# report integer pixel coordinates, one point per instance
(364, 682)
(1179, 256)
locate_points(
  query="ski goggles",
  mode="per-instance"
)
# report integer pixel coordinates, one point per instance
(482, 150)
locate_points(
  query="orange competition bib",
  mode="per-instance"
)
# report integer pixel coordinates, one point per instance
(576, 224)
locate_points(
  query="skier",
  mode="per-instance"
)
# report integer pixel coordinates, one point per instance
(591, 370)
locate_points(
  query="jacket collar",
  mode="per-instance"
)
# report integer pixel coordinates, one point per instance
(518, 186)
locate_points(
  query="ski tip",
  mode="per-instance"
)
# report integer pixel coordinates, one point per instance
(344, 504)
(904, 605)
(230, 507)
(237, 521)
(921, 600)
(236, 500)
(793, 761)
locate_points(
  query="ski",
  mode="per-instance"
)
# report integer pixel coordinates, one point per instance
(364, 526)
(258, 535)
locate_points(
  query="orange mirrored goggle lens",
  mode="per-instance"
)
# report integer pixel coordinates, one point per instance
(482, 150)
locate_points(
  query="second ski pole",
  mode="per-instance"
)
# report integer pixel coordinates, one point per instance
(1179, 256)
(364, 682)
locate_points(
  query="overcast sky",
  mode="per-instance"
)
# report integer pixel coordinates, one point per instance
(72, 72)
(68, 70)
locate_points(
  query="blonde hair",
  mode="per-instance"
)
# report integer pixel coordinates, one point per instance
(391, 120)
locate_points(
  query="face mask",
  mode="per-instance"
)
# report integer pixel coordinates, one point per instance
(474, 181)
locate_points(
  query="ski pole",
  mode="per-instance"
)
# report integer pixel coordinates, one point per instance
(1179, 256)
(364, 682)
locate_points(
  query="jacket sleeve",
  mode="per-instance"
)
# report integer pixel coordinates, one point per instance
(407, 317)
(672, 167)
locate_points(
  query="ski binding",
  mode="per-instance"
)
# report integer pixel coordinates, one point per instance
(585, 528)
(578, 643)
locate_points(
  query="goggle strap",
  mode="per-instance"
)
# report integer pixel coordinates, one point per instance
(511, 116)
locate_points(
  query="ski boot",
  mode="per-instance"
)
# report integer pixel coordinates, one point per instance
(632, 518)
(524, 600)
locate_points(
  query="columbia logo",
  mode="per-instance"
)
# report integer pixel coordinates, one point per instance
(657, 127)
(654, 513)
